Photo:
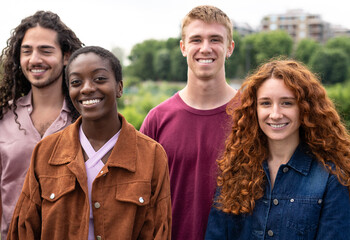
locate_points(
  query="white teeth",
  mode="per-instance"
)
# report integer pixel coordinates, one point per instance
(205, 60)
(90, 102)
(37, 70)
(278, 125)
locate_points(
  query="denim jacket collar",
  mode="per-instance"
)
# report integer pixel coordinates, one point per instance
(123, 154)
(300, 160)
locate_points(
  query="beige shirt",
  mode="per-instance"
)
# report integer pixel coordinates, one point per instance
(16, 148)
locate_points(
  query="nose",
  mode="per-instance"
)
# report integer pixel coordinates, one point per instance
(35, 58)
(205, 47)
(87, 88)
(276, 112)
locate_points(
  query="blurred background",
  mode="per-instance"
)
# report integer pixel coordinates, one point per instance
(145, 36)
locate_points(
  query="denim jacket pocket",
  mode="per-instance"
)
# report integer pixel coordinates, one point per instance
(303, 216)
(138, 193)
(53, 188)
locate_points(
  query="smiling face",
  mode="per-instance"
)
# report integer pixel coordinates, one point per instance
(278, 112)
(93, 87)
(206, 47)
(41, 57)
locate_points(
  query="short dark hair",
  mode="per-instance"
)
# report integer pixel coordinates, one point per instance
(103, 53)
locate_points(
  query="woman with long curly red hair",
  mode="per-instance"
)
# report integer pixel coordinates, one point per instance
(285, 171)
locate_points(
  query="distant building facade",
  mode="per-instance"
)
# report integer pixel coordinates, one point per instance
(243, 29)
(299, 25)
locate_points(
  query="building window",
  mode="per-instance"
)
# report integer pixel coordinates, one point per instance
(273, 27)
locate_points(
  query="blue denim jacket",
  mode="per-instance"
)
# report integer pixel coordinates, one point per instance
(306, 203)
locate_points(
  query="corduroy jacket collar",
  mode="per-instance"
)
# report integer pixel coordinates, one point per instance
(123, 154)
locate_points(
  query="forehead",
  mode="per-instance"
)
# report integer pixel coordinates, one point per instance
(274, 88)
(86, 62)
(200, 28)
(39, 36)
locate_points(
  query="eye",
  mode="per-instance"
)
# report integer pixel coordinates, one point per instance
(264, 103)
(75, 82)
(100, 79)
(195, 40)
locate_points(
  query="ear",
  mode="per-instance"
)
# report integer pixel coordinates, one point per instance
(230, 49)
(66, 58)
(183, 48)
(119, 89)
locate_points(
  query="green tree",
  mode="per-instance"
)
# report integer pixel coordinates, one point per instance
(330, 64)
(234, 64)
(305, 49)
(141, 58)
(342, 43)
(162, 64)
(340, 94)
(272, 44)
(178, 66)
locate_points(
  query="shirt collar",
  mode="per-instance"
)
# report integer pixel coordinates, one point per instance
(27, 101)
(301, 161)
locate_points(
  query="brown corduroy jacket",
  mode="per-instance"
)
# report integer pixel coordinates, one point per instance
(130, 196)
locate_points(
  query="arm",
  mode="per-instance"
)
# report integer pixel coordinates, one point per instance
(26, 220)
(334, 220)
(158, 217)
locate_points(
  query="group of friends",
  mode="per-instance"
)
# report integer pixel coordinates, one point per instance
(270, 160)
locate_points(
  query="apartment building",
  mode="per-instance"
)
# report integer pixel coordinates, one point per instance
(299, 25)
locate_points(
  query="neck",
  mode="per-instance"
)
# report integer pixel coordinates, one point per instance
(280, 151)
(99, 132)
(207, 94)
(48, 97)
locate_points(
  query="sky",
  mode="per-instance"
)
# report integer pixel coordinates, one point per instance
(115, 23)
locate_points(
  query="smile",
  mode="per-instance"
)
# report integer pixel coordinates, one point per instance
(205, 60)
(37, 70)
(90, 102)
(278, 125)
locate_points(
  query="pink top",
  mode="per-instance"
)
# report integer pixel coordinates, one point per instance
(16, 148)
(93, 166)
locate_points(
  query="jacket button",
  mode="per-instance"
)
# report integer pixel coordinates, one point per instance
(270, 233)
(319, 201)
(285, 169)
(275, 202)
(98, 237)
(97, 205)
(141, 200)
(52, 196)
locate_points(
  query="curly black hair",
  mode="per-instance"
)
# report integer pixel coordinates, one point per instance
(14, 84)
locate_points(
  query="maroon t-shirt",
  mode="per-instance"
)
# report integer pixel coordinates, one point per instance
(193, 140)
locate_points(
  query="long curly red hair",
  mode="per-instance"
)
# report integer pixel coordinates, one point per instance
(241, 176)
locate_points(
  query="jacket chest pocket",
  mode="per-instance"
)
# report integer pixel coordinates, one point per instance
(54, 188)
(303, 216)
(138, 193)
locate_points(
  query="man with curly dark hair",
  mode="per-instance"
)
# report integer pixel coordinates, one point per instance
(34, 100)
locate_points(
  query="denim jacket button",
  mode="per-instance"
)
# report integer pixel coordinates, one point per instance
(285, 169)
(292, 200)
(319, 201)
(275, 201)
(270, 233)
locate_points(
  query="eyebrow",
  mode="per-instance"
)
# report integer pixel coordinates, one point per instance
(283, 98)
(40, 47)
(211, 36)
(94, 71)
